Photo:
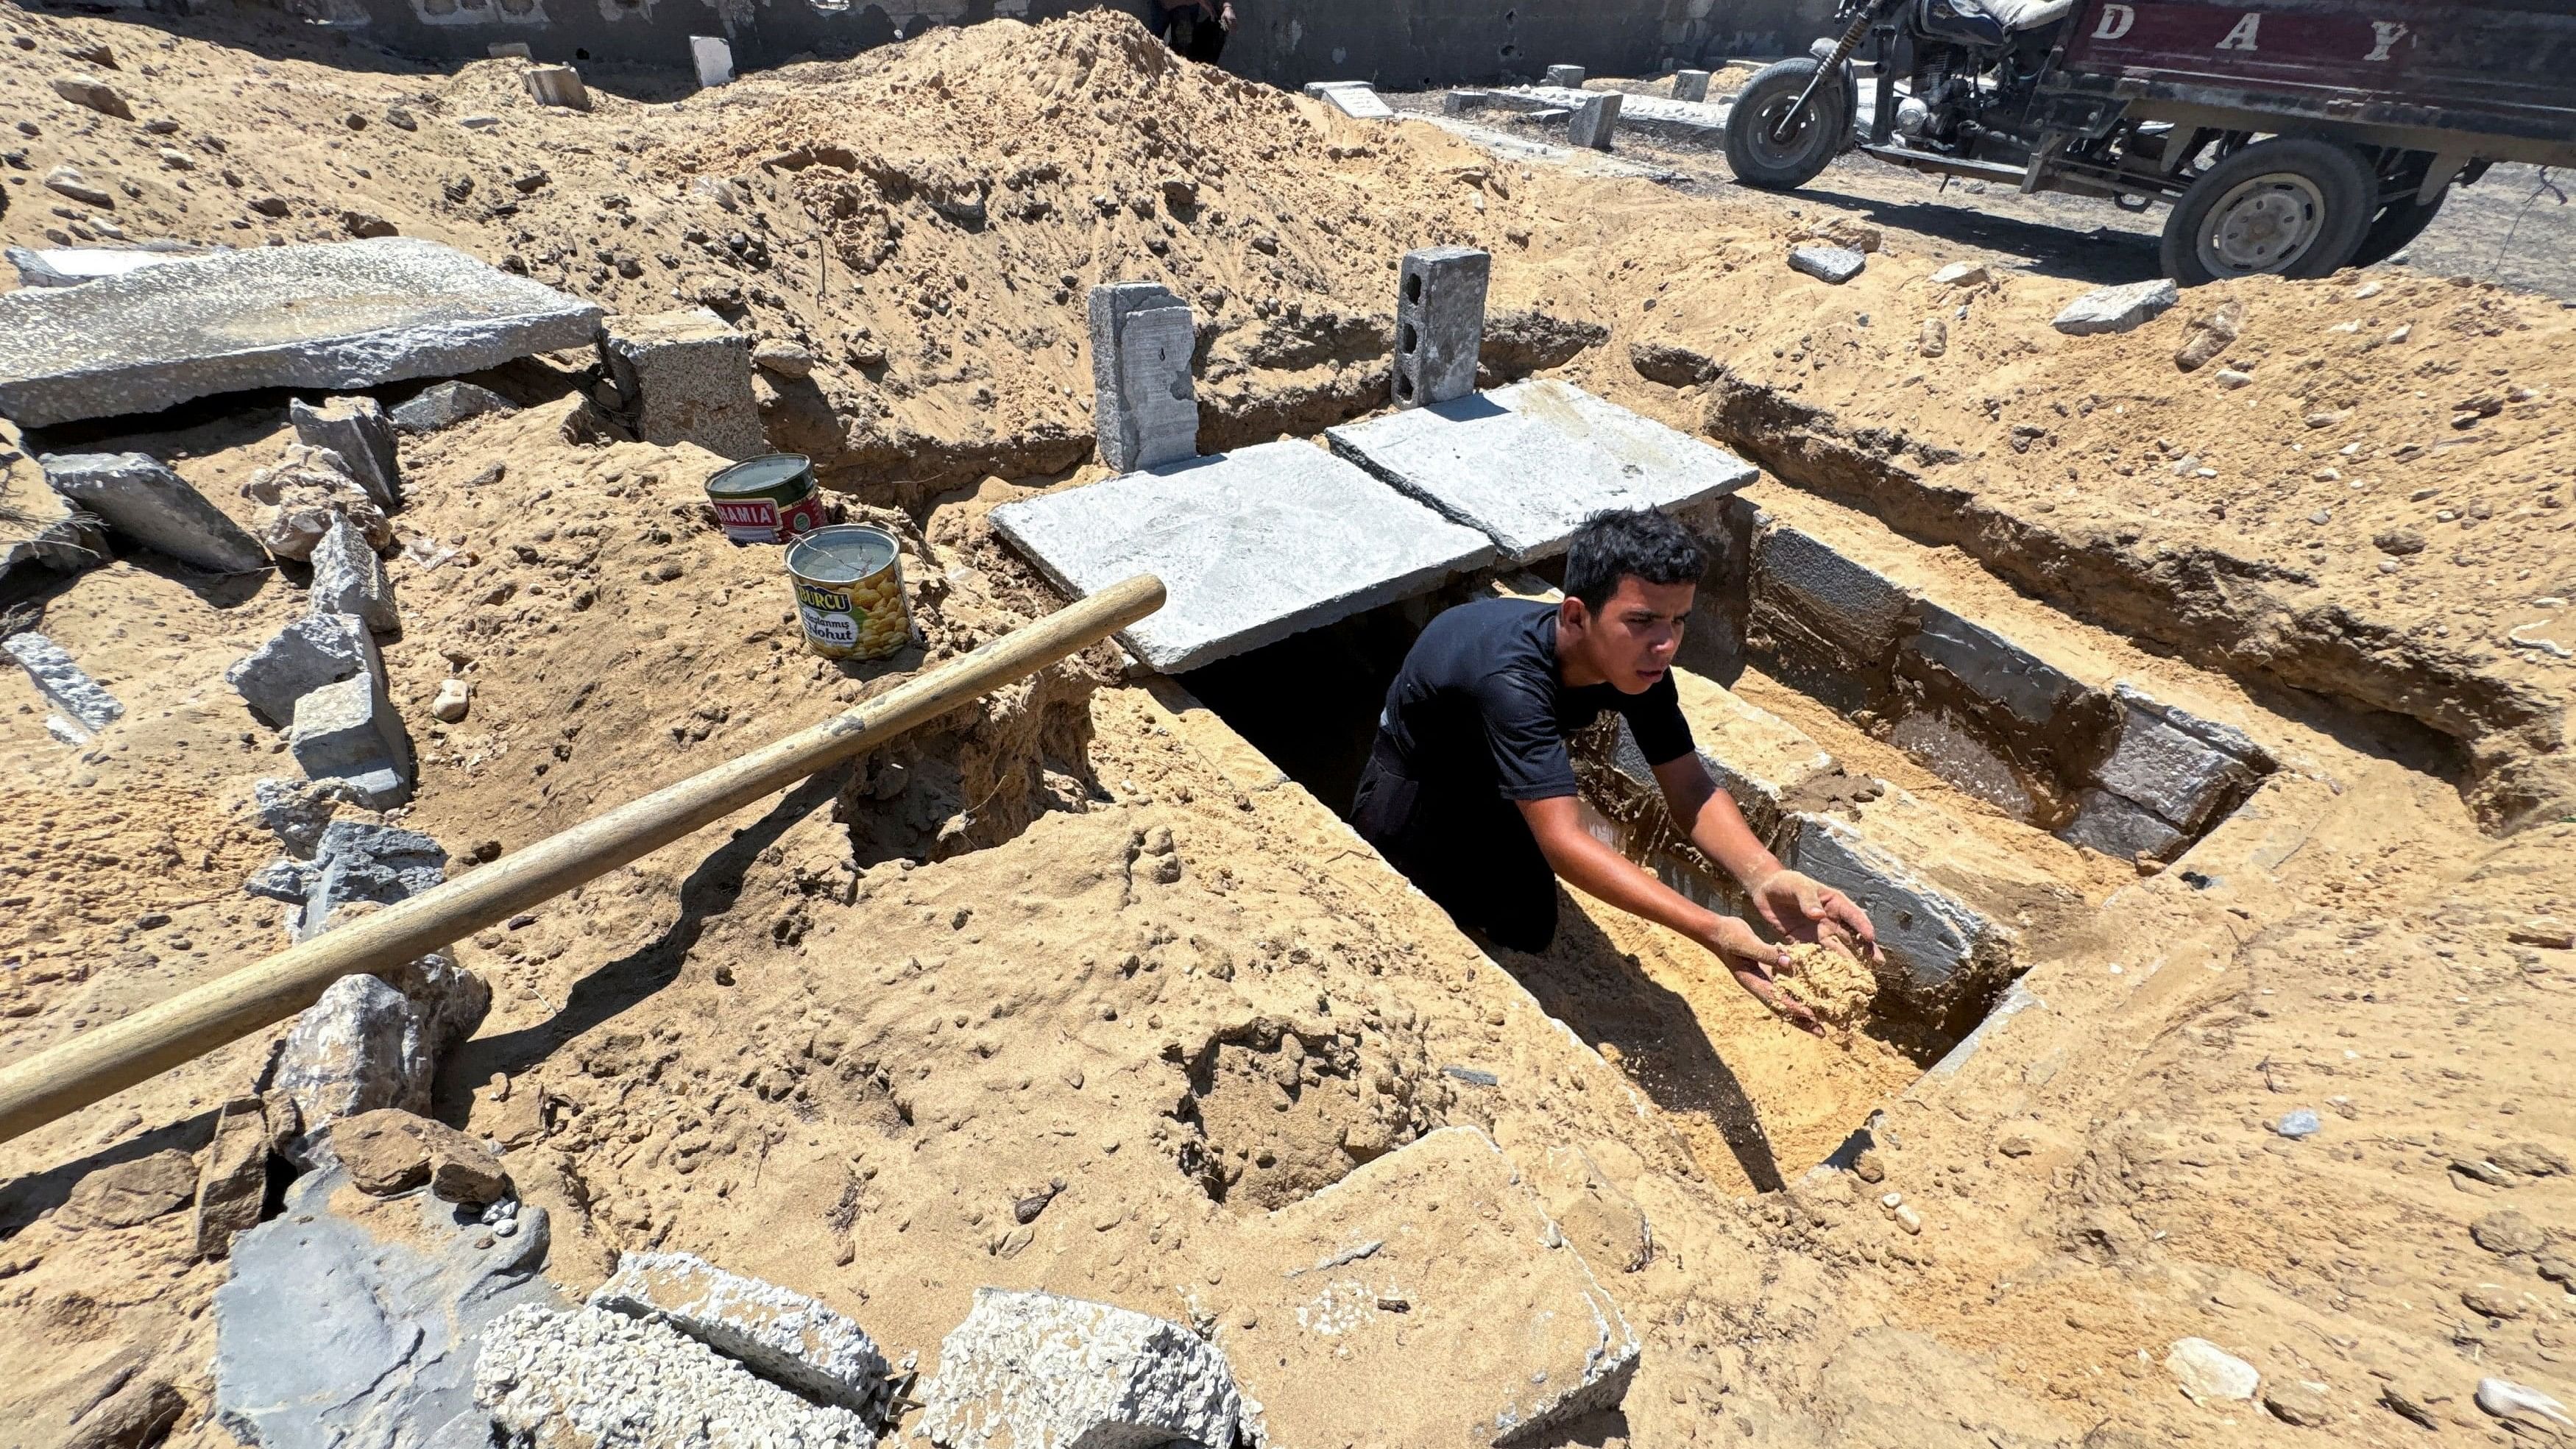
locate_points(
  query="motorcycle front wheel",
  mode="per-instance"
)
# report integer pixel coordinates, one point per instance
(1765, 147)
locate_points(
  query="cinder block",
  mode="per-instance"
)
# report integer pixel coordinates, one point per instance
(1439, 323)
(1593, 122)
(1568, 76)
(1690, 85)
(684, 377)
(1992, 667)
(557, 85)
(315, 650)
(1145, 407)
(349, 731)
(357, 429)
(712, 57)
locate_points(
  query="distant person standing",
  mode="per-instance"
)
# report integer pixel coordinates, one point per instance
(1195, 29)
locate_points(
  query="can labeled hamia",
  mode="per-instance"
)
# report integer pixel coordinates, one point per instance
(849, 591)
(770, 499)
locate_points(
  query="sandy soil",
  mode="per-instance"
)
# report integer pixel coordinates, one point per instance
(1084, 933)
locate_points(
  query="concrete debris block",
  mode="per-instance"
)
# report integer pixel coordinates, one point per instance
(390, 1151)
(712, 58)
(348, 731)
(1933, 340)
(63, 683)
(96, 94)
(298, 811)
(1690, 85)
(1929, 934)
(315, 650)
(1991, 667)
(329, 315)
(1465, 102)
(2105, 822)
(138, 1414)
(1526, 464)
(1439, 1242)
(1843, 612)
(1595, 121)
(443, 405)
(40, 528)
(345, 1055)
(124, 1194)
(234, 1181)
(1029, 1369)
(1145, 408)
(1833, 265)
(1962, 274)
(348, 579)
(357, 429)
(685, 377)
(1352, 98)
(148, 503)
(71, 266)
(777, 1333)
(591, 1379)
(350, 1320)
(1253, 545)
(2117, 309)
(300, 494)
(1439, 323)
(1568, 76)
(359, 861)
(68, 183)
(2210, 1374)
(2210, 336)
(557, 85)
(2180, 778)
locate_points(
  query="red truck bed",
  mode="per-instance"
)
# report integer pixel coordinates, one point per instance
(2504, 73)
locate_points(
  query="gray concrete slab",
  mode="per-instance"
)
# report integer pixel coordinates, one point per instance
(1526, 464)
(1595, 122)
(1253, 545)
(334, 315)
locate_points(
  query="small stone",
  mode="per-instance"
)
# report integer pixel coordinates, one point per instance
(364, 224)
(2491, 1301)
(128, 1193)
(2531, 1159)
(1869, 1166)
(2321, 517)
(235, 1180)
(1908, 1219)
(1962, 274)
(454, 698)
(2210, 1374)
(2016, 1144)
(389, 1151)
(2506, 1232)
(786, 359)
(2117, 309)
(2522, 1406)
(82, 90)
(1935, 338)
(447, 404)
(2230, 379)
(358, 432)
(2293, 1405)
(2210, 335)
(315, 650)
(2399, 541)
(2548, 932)
(1831, 265)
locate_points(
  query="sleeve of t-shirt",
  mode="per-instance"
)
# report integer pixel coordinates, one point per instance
(1655, 718)
(1530, 762)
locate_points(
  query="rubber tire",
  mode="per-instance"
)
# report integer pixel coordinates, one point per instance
(2344, 182)
(1778, 82)
(2399, 223)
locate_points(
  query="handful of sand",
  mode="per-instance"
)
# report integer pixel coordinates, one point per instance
(1828, 981)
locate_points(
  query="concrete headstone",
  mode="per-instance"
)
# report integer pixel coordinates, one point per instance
(1595, 121)
(1145, 407)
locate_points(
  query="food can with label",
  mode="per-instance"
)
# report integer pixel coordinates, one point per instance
(849, 591)
(769, 499)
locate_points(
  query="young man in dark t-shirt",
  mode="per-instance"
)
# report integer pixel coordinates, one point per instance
(1470, 792)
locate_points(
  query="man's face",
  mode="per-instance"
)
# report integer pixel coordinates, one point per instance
(1630, 643)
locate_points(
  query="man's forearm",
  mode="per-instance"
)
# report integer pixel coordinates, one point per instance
(1709, 818)
(1611, 878)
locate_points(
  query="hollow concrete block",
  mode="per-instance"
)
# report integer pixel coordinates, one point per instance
(141, 498)
(358, 430)
(684, 377)
(313, 651)
(1145, 409)
(1439, 323)
(1594, 122)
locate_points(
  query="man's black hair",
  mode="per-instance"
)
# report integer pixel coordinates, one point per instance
(1616, 543)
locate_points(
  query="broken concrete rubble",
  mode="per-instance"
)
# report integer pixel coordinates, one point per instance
(1036, 1368)
(40, 528)
(318, 649)
(1832, 265)
(63, 683)
(145, 501)
(299, 496)
(684, 377)
(326, 315)
(592, 1379)
(352, 861)
(446, 404)
(349, 580)
(348, 731)
(2117, 309)
(781, 1335)
(367, 1044)
(557, 85)
(1843, 610)
(357, 429)
(1144, 405)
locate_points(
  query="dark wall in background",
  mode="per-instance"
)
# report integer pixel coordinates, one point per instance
(1399, 44)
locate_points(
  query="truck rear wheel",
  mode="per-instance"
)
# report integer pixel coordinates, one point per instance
(2399, 222)
(2294, 205)
(1775, 163)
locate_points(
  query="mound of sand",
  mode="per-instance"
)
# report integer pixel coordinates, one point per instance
(1829, 981)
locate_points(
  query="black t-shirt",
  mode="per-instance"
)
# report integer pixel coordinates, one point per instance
(1478, 705)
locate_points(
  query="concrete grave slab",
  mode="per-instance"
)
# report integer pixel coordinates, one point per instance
(1356, 99)
(1691, 122)
(1526, 464)
(1848, 611)
(71, 266)
(332, 315)
(1253, 545)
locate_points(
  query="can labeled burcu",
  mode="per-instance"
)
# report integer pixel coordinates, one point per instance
(769, 499)
(849, 591)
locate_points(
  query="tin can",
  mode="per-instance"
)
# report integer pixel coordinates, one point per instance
(769, 499)
(849, 591)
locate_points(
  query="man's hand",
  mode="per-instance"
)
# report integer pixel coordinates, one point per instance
(1754, 963)
(1799, 908)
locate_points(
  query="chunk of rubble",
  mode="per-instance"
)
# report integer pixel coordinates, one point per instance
(40, 528)
(447, 404)
(779, 1334)
(2117, 309)
(351, 1320)
(63, 683)
(329, 315)
(301, 493)
(1028, 1369)
(125, 1194)
(357, 429)
(367, 1045)
(1435, 1263)
(1831, 265)
(155, 507)
(352, 862)
(96, 94)
(233, 1184)
(684, 377)
(297, 812)
(349, 580)
(592, 1379)
(349, 731)
(389, 1151)
(300, 658)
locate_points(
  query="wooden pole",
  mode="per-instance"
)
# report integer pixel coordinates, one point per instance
(67, 1077)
